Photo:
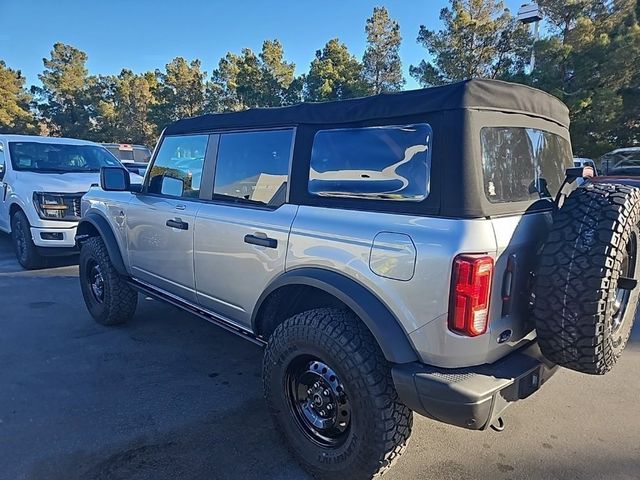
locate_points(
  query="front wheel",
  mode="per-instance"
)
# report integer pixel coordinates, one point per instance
(26, 251)
(109, 298)
(331, 395)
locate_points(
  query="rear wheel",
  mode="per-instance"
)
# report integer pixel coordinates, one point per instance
(330, 392)
(586, 291)
(26, 251)
(107, 295)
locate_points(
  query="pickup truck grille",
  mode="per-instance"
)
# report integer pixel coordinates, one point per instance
(74, 206)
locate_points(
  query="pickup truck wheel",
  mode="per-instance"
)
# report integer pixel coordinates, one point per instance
(109, 298)
(586, 294)
(25, 249)
(331, 395)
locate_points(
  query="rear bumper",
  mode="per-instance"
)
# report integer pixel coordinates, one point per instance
(473, 397)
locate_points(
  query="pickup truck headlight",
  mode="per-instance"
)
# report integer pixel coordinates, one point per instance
(57, 206)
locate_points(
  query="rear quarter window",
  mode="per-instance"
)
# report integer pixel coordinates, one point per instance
(386, 162)
(522, 164)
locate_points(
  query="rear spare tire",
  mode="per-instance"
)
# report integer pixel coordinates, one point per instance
(585, 289)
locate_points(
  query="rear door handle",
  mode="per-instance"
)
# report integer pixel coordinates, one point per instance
(177, 223)
(262, 241)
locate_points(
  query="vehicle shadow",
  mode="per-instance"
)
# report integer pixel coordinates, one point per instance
(239, 444)
(170, 396)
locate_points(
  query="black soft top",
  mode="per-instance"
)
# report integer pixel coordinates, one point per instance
(479, 94)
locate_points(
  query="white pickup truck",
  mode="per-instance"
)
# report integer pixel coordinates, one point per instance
(42, 180)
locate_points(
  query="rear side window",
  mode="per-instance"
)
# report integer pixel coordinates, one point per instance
(177, 169)
(388, 162)
(523, 164)
(253, 167)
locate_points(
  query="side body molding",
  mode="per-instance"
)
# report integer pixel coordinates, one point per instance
(96, 222)
(381, 322)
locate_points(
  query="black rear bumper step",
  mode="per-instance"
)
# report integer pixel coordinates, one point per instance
(188, 307)
(473, 397)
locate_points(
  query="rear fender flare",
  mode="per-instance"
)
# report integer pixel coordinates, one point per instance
(384, 326)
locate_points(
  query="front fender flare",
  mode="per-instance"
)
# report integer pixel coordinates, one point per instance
(96, 222)
(384, 326)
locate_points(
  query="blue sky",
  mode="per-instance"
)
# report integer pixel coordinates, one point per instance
(143, 35)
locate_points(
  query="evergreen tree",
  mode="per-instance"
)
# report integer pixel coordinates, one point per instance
(179, 92)
(15, 114)
(382, 65)
(590, 61)
(124, 108)
(64, 100)
(335, 74)
(480, 39)
(249, 80)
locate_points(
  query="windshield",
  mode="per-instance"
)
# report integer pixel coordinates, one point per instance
(622, 163)
(523, 164)
(59, 158)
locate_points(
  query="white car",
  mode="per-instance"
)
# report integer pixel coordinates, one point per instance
(42, 180)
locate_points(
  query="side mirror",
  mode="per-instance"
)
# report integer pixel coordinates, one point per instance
(171, 186)
(115, 179)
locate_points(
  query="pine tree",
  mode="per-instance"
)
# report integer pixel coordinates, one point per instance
(15, 113)
(249, 80)
(480, 38)
(382, 64)
(64, 100)
(179, 92)
(335, 74)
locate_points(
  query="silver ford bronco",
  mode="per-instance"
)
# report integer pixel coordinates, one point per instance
(424, 251)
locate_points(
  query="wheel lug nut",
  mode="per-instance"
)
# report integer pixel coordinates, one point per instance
(329, 407)
(326, 392)
(309, 392)
(322, 413)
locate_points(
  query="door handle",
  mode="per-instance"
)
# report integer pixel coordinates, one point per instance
(177, 223)
(180, 206)
(262, 241)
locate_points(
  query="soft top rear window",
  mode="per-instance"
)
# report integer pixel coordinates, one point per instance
(387, 162)
(523, 164)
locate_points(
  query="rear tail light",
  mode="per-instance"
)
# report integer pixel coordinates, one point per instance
(470, 292)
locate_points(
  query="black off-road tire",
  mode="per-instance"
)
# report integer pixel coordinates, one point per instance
(380, 426)
(118, 301)
(578, 323)
(26, 251)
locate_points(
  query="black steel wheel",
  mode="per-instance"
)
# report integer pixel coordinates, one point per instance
(318, 401)
(330, 393)
(96, 280)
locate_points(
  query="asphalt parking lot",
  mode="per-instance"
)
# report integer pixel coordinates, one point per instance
(170, 396)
